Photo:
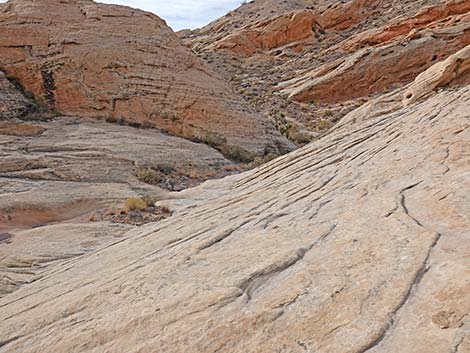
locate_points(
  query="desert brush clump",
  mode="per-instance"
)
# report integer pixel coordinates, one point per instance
(323, 125)
(147, 175)
(135, 204)
(238, 154)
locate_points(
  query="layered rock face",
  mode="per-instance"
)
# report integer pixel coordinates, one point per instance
(389, 56)
(67, 170)
(95, 60)
(325, 58)
(54, 171)
(355, 243)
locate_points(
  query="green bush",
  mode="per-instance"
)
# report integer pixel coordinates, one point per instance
(238, 154)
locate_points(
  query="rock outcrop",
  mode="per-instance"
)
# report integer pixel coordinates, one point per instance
(313, 62)
(13, 103)
(270, 34)
(95, 60)
(394, 57)
(57, 170)
(355, 243)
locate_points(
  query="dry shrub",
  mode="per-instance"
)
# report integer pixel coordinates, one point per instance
(135, 204)
(15, 129)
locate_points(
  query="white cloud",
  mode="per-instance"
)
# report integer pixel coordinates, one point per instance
(180, 14)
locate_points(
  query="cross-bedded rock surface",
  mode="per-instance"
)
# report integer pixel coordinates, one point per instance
(59, 169)
(96, 60)
(355, 243)
(306, 63)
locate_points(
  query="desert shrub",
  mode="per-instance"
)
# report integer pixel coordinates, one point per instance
(282, 125)
(148, 175)
(214, 139)
(261, 160)
(328, 112)
(150, 200)
(41, 105)
(323, 125)
(164, 168)
(238, 154)
(56, 112)
(298, 136)
(135, 204)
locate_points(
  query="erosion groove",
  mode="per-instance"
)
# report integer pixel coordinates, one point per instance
(357, 241)
(260, 248)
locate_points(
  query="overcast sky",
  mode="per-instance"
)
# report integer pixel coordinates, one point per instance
(180, 14)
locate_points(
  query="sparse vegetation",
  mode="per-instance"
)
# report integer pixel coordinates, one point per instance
(261, 160)
(41, 105)
(323, 125)
(238, 154)
(214, 139)
(328, 113)
(135, 204)
(148, 175)
(281, 123)
(150, 200)
(14, 129)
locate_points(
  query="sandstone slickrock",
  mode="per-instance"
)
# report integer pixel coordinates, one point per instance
(271, 33)
(355, 243)
(77, 165)
(24, 254)
(96, 60)
(297, 28)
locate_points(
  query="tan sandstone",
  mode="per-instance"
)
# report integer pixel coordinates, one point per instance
(356, 243)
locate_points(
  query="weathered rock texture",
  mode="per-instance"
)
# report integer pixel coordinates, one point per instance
(315, 61)
(24, 254)
(96, 60)
(355, 243)
(57, 170)
(394, 56)
(271, 33)
(12, 102)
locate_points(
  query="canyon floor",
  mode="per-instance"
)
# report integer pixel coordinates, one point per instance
(293, 177)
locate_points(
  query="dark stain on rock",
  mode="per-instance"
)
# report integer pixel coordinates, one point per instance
(5, 237)
(48, 84)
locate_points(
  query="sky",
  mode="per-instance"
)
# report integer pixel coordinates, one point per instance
(181, 14)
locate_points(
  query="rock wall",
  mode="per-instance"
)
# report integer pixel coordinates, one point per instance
(95, 60)
(386, 58)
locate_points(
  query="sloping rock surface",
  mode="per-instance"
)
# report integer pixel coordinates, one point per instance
(96, 60)
(25, 254)
(69, 166)
(355, 243)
